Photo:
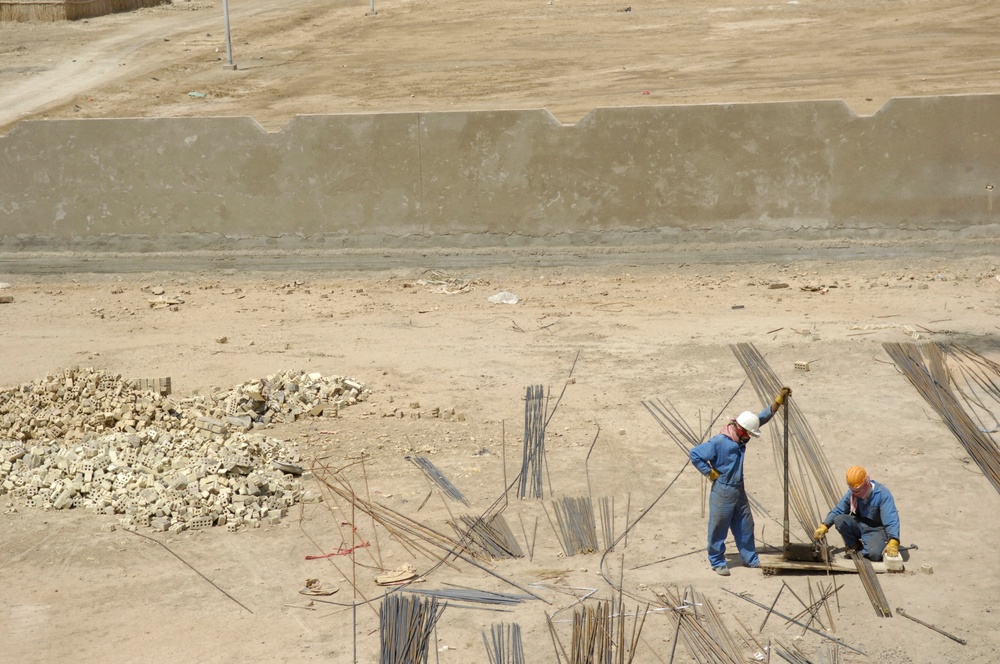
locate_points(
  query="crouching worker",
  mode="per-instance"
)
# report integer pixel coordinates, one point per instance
(865, 517)
(720, 458)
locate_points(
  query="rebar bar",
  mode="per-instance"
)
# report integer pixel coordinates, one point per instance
(577, 531)
(504, 645)
(872, 585)
(489, 536)
(436, 476)
(405, 628)
(926, 369)
(813, 489)
(533, 455)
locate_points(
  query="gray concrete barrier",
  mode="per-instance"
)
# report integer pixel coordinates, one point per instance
(921, 168)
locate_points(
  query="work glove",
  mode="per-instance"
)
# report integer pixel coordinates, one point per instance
(713, 474)
(782, 395)
(891, 549)
(821, 532)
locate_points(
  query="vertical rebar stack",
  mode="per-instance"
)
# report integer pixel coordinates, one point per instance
(599, 635)
(577, 532)
(504, 645)
(405, 628)
(812, 487)
(533, 458)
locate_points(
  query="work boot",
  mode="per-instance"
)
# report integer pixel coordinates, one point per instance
(721, 571)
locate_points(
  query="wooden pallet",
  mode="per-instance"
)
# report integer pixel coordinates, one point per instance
(775, 564)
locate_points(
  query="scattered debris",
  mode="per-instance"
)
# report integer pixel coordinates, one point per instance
(316, 588)
(405, 574)
(503, 297)
(89, 438)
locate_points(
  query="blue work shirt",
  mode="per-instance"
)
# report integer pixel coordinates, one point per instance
(879, 509)
(724, 454)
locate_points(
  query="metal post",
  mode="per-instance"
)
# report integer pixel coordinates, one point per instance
(785, 534)
(229, 41)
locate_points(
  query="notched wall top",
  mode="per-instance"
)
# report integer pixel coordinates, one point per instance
(921, 166)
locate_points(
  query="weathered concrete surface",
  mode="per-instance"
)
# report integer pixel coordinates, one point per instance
(920, 169)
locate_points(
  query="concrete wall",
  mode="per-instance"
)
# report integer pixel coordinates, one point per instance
(920, 168)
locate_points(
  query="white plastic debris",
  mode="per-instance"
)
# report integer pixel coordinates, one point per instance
(504, 297)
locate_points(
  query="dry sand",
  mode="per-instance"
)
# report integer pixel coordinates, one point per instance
(604, 337)
(612, 333)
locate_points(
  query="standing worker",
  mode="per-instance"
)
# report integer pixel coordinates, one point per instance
(720, 458)
(865, 517)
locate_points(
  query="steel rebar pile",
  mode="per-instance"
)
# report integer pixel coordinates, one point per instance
(414, 536)
(470, 595)
(706, 638)
(812, 487)
(872, 585)
(599, 635)
(533, 457)
(436, 476)
(405, 628)
(929, 374)
(793, 654)
(489, 537)
(577, 532)
(504, 645)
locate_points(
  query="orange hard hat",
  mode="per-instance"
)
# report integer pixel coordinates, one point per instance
(856, 476)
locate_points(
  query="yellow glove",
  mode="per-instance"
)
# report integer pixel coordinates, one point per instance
(713, 474)
(784, 394)
(821, 532)
(891, 549)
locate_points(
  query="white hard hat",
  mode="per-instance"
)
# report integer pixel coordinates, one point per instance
(750, 422)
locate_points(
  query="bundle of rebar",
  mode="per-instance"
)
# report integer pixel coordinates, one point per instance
(812, 487)
(470, 595)
(414, 536)
(792, 654)
(706, 638)
(872, 585)
(405, 628)
(489, 536)
(504, 645)
(599, 635)
(436, 476)
(533, 456)
(577, 532)
(927, 370)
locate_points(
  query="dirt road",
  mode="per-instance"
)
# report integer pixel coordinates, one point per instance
(307, 57)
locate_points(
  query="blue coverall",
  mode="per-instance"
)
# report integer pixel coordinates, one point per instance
(875, 522)
(728, 506)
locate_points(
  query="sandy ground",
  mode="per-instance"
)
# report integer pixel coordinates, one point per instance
(612, 334)
(307, 57)
(606, 338)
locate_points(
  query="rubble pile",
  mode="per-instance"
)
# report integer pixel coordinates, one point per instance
(89, 438)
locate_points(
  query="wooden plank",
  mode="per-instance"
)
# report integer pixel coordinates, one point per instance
(774, 563)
